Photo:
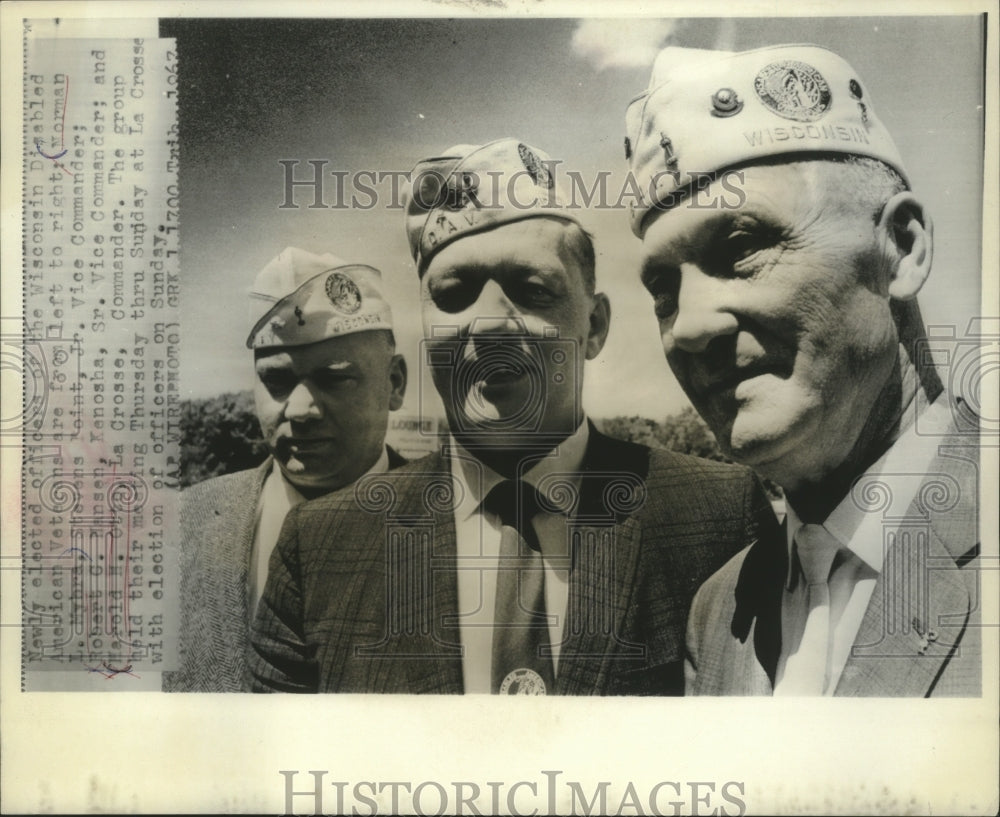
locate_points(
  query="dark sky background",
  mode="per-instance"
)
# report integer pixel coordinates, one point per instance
(381, 94)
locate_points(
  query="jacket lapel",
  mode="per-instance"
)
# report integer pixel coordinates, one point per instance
(901, 648)
(602, 577)
(243, 545)
(921, 604)
(215, 630)
(605, 554)
(235, 570)
(423, 525)
(757, 616)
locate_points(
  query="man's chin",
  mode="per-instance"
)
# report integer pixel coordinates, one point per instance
(766, 444)
(306, 480)
(486, 433)
(500, 411)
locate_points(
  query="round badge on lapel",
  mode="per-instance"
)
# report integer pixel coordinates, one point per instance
(523, 681)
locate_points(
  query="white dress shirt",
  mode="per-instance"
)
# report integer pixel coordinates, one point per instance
(478, 542)
(277, 497)
(863, 534)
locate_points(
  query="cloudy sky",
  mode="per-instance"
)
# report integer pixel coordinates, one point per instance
(380, 94)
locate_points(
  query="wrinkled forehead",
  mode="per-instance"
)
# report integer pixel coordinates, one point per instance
(772, 193)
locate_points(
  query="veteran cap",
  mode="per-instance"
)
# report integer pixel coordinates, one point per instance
(471, 188)
(301, 298)
(706, 111)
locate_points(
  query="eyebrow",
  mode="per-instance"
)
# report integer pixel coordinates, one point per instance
(506, 267)
(264, 365)
(711, 226)
(269, 363)
(345, 367)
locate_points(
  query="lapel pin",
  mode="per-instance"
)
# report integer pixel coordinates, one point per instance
(926, 638)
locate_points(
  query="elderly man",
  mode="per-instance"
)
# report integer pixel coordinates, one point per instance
(784, 252)
(326, 378)
(533, 555)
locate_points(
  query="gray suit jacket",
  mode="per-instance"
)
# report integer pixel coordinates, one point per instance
(921, 633)
(362, 592)
(218, 521)
(217, 529)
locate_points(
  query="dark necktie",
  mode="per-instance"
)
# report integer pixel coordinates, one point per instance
(522, 662)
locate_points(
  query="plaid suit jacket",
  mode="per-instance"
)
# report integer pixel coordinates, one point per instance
(921, 634)
(218, 522)
(362, 591)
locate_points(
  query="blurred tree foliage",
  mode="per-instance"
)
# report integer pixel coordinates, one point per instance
(220, 435)
(685, 432)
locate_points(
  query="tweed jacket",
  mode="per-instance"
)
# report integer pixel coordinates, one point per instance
(218, 523)
(920, 635)
(362, 588)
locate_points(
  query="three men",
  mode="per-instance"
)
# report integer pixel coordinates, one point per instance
(533, 555)
(788, 313)
(326, 377)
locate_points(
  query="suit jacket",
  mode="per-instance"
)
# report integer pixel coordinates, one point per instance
(218, 522)
(920, 635)
(362, 589)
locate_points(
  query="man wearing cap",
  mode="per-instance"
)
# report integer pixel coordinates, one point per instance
(533, 555)
(326, 377)
(784, 252)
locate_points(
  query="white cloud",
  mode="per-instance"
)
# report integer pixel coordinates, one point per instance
(622, 43)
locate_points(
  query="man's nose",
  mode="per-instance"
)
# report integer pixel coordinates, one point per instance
(301, 405)
(495, 313)
(703, 313)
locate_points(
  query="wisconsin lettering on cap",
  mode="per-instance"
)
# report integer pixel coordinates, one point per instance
(706, 111)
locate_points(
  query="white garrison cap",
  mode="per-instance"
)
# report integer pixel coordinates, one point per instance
(706, 111)
(301, 298)
(471, 188)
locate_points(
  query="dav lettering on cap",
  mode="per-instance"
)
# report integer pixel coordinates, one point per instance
(471, 188)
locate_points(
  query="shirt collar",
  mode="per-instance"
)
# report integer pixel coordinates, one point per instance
(859, 529)
(473, 479)
(278, 492)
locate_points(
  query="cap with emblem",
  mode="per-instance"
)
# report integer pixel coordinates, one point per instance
(471, 188)
(301, 298)
(707, 111)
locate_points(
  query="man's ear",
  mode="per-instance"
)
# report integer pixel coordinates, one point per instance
(397, 379)
(909, 241)
(600, 322)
